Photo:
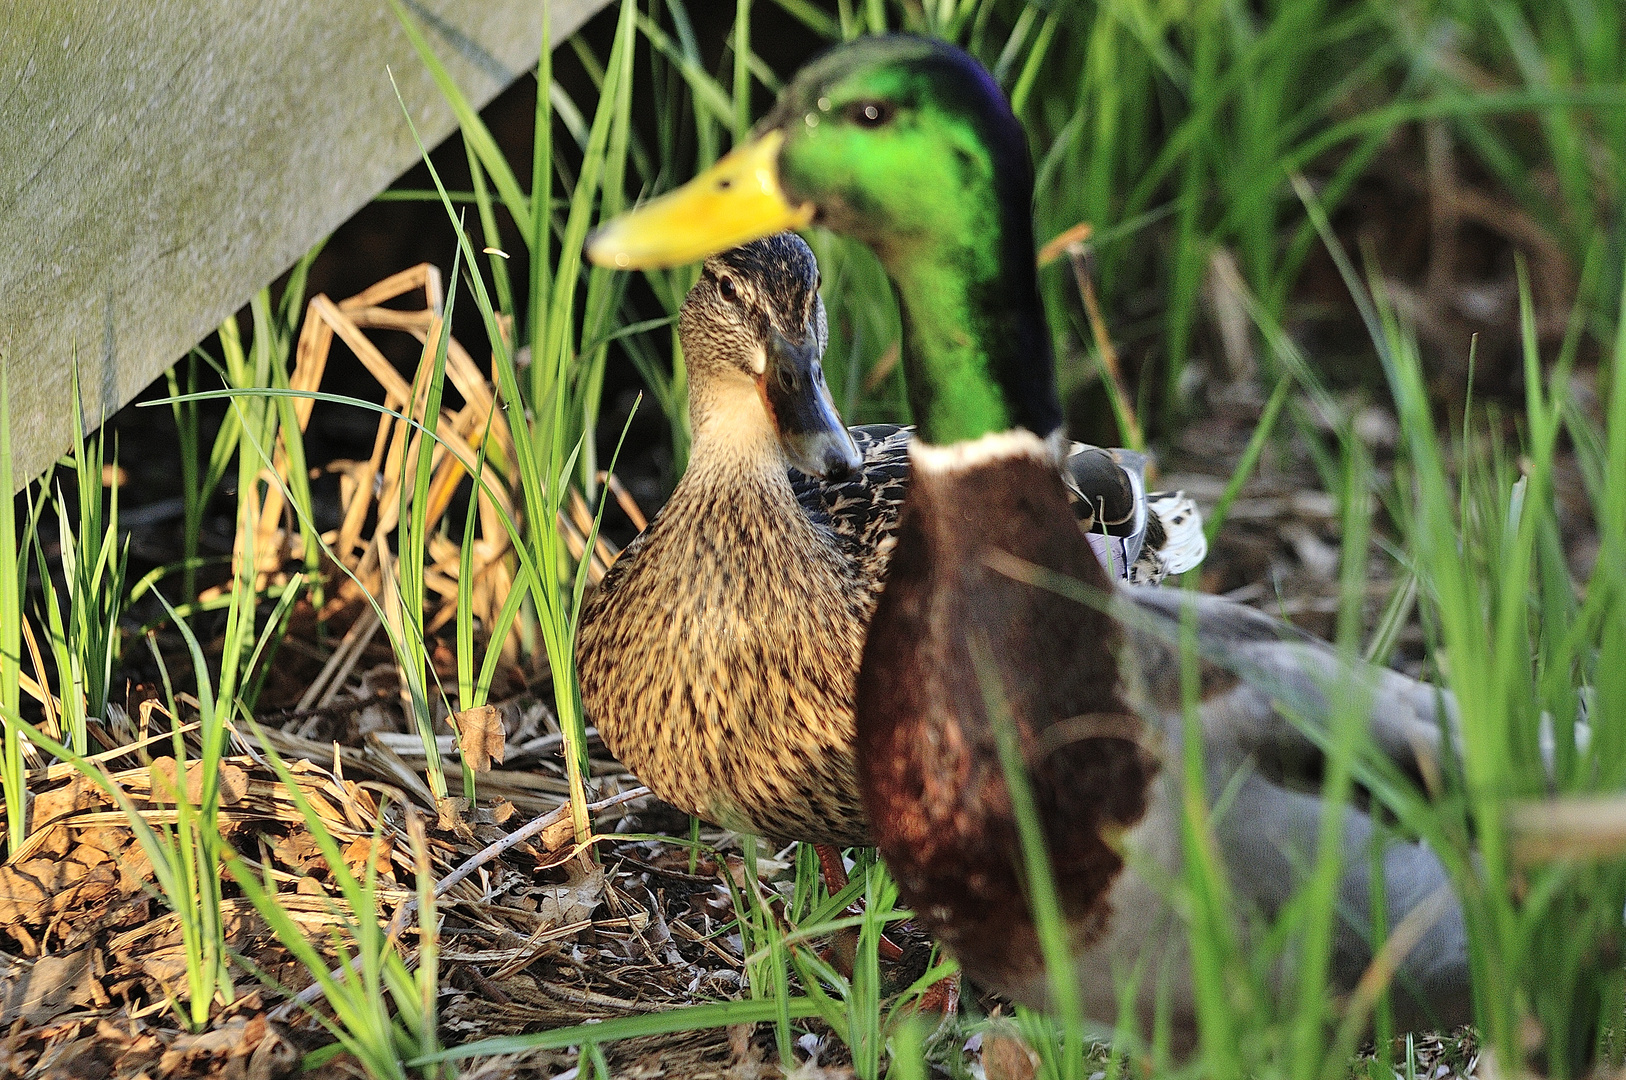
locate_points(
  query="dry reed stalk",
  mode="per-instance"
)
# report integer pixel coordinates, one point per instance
(375, 493)
(1074, 243)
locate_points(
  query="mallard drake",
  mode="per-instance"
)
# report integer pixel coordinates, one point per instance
(719, 653)
(909, 146)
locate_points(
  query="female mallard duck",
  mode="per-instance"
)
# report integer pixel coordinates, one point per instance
(909, 146)
(718, 656)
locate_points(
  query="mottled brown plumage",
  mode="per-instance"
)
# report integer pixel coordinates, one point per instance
(718, 665)
(718, 656)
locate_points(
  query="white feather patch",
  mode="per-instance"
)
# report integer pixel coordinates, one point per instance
(1186, 545)
(975, 453)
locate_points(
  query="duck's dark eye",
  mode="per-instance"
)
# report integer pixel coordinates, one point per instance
(870, 114)
(725, 286)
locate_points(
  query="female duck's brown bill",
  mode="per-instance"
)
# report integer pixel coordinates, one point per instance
(794, 391)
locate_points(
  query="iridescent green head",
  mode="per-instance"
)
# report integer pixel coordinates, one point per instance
(908, 145)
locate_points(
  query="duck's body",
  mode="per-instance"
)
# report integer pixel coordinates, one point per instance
(719, 654)
(1098, 702)
(909, 146)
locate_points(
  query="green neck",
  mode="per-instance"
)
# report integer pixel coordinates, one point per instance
(971, 321)
(943, 194)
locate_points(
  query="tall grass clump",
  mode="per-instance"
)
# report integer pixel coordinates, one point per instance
(1527, 654)
(265, 364)
(260, 396)
(81, 623)
(1530, 655)
(403, 576)
(82, 633)
(384, 1009)
(558, 394)
(1524, 648)
(383, 1006)
(189, 859)
(187, 855)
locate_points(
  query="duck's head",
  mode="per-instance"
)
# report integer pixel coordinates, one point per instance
(753, 330)
(908, 145)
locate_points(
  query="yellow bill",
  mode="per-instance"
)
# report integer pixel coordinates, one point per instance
(735, 201)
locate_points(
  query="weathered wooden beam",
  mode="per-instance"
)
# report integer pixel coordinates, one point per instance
(160, 160)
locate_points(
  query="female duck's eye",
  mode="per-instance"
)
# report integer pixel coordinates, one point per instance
(725, 286)
(870, 114)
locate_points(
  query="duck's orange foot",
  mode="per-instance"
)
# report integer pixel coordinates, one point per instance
(842, 952)
(834, 872)
(941, 997)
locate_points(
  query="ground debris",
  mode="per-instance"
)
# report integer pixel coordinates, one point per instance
(241, 1047)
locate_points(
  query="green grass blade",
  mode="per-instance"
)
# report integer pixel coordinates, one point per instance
(12, 782)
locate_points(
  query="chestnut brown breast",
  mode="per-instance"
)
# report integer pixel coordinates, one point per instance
(947, 623)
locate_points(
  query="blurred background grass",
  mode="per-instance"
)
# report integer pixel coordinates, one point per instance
(1442, 138)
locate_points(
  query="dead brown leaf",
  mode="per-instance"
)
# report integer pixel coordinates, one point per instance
(165, 966)
(77, 794)
(379, 850)
(297, 850)
(232, 782)
(40, 887)
(575, 900)
(558, 835)
(87, 856)
(232, 1049)
(134, 868)
(449, 811)
(40, 991)
(1006, 1057)
(480, 736)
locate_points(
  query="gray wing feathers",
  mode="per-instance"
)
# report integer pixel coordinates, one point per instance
(1283, 664)
(1268, 832)
(1267, 836)
(1157, 533)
